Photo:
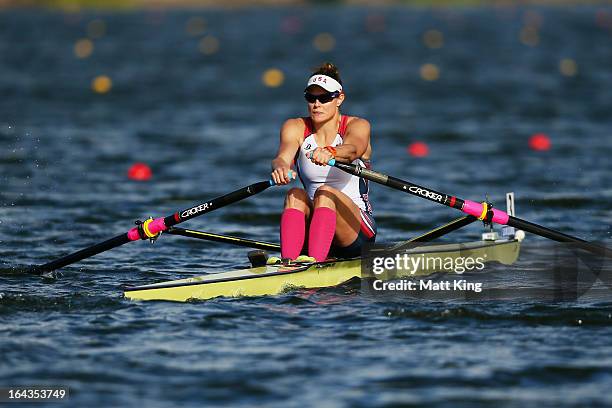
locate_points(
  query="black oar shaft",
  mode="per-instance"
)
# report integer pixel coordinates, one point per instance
(543, 231)
(401, 185)
(156, 226)
(218, 202)
(460, 204)
(80, 255)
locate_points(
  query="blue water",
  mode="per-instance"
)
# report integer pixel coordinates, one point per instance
(207, 125)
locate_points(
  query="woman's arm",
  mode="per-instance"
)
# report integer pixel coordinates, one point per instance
(354, 146)
(290, 134)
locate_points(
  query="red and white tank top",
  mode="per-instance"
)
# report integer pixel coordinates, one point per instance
(313, 176)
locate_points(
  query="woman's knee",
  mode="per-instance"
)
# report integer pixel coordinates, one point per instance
(325, 195)
(323, 189)
(296, 198)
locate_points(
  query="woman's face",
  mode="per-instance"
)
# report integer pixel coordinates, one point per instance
(325, 106)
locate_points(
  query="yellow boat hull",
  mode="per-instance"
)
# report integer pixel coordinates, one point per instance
(272, 280)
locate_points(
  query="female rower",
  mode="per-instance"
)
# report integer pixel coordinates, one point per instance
(333, 207)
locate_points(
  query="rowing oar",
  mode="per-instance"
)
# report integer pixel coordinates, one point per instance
(483, 211)
(151, 228)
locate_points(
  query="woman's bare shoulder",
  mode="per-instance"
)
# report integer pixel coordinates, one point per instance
(357, 123)
(293, 128)
(294, 124)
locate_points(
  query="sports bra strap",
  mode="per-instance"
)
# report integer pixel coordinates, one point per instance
(342, 127)
(309, 128)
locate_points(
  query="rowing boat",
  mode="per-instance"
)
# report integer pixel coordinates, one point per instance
(276, 279)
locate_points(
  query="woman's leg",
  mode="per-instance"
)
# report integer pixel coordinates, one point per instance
(293, 222)
(335, 217)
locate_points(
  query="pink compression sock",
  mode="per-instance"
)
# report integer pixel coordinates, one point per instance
(293, 230)
(322, 230)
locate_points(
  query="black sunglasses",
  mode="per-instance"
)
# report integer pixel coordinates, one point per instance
(323, 98)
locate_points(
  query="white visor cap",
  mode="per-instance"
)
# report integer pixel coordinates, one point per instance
(326, 82)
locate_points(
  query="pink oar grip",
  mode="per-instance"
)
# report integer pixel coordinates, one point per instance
(475, 209)
(155, 226)
(133, 234)
(500, 217)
